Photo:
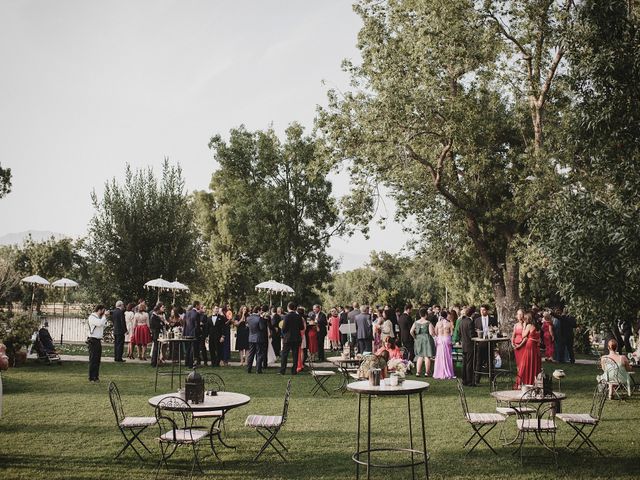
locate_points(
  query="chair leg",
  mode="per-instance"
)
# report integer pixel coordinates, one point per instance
(269, 442)
(478, 432)
(129, 442)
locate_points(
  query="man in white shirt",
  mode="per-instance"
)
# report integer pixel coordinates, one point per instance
(484, 356)
(97, 321)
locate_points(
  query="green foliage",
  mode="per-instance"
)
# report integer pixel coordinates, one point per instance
(16, 330)
(5, 181)
(143, 228)
(51, 259)
(591, 234)
(269, 214)
(446, 110)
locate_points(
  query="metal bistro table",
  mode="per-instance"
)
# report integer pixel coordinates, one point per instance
(173, 343)
(221, 401)
(408, 388)
(514, 397)
(343, 364)
(490, 343)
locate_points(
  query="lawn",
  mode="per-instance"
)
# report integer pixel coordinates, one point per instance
(56, 425)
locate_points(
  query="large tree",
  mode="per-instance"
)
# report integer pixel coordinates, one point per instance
(451, 107)
(269, 214)
(591, 233)
(143, 228)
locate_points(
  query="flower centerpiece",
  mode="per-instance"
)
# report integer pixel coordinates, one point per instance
(400, 367)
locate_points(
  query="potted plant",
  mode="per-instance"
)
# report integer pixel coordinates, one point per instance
(15, 332)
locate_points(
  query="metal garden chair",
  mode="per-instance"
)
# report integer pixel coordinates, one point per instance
(269, 426)
(541, 422)
(130, 427)
(175, 419)
(589, 421)
(481, 423)
(321, 377)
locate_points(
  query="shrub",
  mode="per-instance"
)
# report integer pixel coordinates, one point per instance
(16, 330)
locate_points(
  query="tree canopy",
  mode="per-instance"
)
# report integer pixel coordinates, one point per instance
(269, 214)
(143, 228)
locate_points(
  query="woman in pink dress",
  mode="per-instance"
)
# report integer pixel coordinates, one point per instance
(444, 361)
(547, 332)
(334, 329)
(516, 340)
(530, 360)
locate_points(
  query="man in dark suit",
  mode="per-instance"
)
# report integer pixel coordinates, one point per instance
(321, 320)
(191, 319)
(291, 338)
(119, 331)
(405, 323)
(344, 338)
(483, 323)
(257, 340)
(276, 338)
(364, 330)
(466, 332)
(202, 332)
(216, 327)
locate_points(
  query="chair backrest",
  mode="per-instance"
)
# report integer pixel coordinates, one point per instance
(213, 381)
(534, 400)
(174, 413)
(599, 399)
(611, 370)
(502, 381)
(463, 399)
(285, 409)
(116, 402)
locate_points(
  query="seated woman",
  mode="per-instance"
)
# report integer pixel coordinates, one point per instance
(374, 361)
(45, 339)
(391, 348)
(615, 368)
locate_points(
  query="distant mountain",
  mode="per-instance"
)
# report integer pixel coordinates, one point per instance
(36, 235)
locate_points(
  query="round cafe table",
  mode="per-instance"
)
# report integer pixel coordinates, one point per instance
(514, 397)
(408, 388)
(344, 364)
(222, 401)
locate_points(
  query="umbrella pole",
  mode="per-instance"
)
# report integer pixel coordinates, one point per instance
(158, 296)
(174, 297)
(64, 300)
(33, 295)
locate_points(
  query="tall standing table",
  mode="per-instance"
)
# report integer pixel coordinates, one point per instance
(172, 342)
(490, 343)
(408, 388)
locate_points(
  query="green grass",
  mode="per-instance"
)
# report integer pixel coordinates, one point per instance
(56, 425)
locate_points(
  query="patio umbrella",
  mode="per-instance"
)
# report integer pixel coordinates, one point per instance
(178, 286)
(272, 287)
(64, 283)
(36, 281)
(159, 284)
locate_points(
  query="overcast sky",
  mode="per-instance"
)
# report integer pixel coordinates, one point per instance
(88, 86)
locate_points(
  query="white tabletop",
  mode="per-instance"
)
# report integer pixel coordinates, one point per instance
(344, 360)
(408, 387)
(221, 401)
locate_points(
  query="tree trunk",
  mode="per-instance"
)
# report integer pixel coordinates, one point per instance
(507, 293)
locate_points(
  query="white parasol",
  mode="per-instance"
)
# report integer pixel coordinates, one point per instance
(36, 281)
(272, 287)
(159, 284)
(178, 286)
(64, 283)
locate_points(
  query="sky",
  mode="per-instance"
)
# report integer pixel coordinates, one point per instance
(89, 86)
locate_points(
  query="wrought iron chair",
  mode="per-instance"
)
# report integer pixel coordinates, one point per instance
(321, 377)
(614, 378)
(505, 381)
(130, 427)
(175, 419)
(481, 423)
(269, 426)
(213, 381)
(589, 421)
(541, 422)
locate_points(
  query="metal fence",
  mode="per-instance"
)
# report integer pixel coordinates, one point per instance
(75, 329)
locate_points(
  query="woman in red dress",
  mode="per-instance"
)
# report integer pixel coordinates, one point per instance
(516, 340)
(547, 332)
(334, 330)
(530, 361)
